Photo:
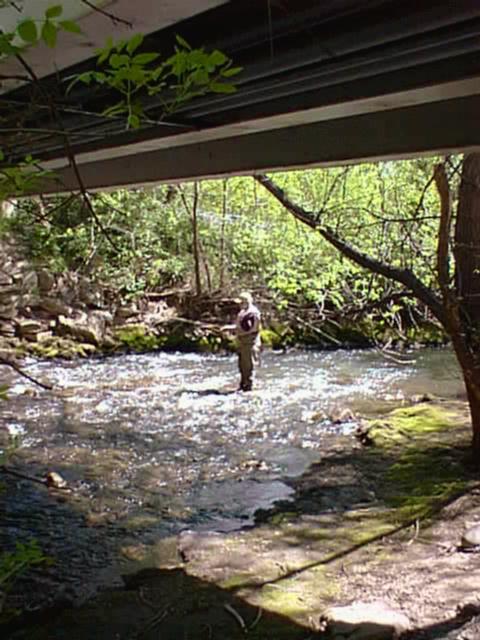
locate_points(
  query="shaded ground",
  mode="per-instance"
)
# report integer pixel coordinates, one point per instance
(367, 522)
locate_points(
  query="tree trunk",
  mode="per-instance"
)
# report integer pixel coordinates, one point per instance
(474, 402)
(458, 310)
(467, 285)
(467, 242)
(196, 248)
(222, 233)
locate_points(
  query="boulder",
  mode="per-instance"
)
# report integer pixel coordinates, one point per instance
(99, 321)
(471, 538)
(123, 313)
(29, 281)
(364, 621)
(8, 311)
(88, 293)
(46, 280)
(53, 307)
(76, 330)
(28, 328)
(44, 336)
(7, 329)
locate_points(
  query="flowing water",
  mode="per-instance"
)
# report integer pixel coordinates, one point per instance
(152, 444)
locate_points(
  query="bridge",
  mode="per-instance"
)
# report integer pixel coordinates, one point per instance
(324, 83)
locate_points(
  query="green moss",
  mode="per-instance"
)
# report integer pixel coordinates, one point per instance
(136, 338)
(280, 599)
(426, 470)
(406, 423)
(236, 581)
(55, 347)
(271, 339)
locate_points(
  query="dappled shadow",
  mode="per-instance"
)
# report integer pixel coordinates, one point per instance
(290, 560)
(166, 604)
(465, 625)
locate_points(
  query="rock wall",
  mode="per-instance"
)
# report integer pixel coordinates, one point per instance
(50, 315)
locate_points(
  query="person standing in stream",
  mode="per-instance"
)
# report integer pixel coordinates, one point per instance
(247, 328)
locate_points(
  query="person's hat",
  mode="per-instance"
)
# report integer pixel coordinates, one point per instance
(247, 296)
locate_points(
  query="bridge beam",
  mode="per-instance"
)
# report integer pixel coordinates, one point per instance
(435, 128)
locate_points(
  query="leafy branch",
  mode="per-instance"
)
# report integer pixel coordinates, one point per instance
(187, 74)
(30, 32)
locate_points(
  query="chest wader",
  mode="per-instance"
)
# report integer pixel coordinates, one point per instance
(248, 354)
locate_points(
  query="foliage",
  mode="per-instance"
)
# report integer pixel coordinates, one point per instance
(27, 32)
(13, 563)
(252, 241)
(21, 178)
(185, 75)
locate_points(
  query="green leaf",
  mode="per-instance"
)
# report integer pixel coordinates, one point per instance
(54, 12)
(217, 58)
(133, 121)
(49, 34)
(86, 77)
(70, 26)
(183, 42)
(27, 30)
(218, 87)
(201, 77)
(117, 61)
(103, 54)
(6, 48)
(144, 58)
(233, 71)
(134, 42)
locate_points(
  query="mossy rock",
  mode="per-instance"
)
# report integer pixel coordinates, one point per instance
(65, 348)
(406, 423)
(272, 339)
(428, 467)
(136, 337)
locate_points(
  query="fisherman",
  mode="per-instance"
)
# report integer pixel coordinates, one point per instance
(247, 328)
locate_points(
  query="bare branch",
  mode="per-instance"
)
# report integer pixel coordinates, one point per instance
(22, 373)
(443, 188)
(115, 19)
(403, 276)
(68, 150)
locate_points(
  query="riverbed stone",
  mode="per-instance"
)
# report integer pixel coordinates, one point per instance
(76, 330)
(53, 307)
(29, 328)
(46, 280)
(374, 620)
(471, 538)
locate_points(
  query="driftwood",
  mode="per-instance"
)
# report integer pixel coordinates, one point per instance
(51, 480)
(24, 374)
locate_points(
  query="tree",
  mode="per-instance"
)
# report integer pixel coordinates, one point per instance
(455, 300)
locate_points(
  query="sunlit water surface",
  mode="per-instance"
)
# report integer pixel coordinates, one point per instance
(151, 444)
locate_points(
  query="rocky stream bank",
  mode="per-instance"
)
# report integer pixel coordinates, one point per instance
(67, 315)
(378, 542)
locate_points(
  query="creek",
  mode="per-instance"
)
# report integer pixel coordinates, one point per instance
(156, 443)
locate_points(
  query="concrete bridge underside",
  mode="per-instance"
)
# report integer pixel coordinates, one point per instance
(324, 83)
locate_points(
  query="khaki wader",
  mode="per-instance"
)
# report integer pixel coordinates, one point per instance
(248, 355)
